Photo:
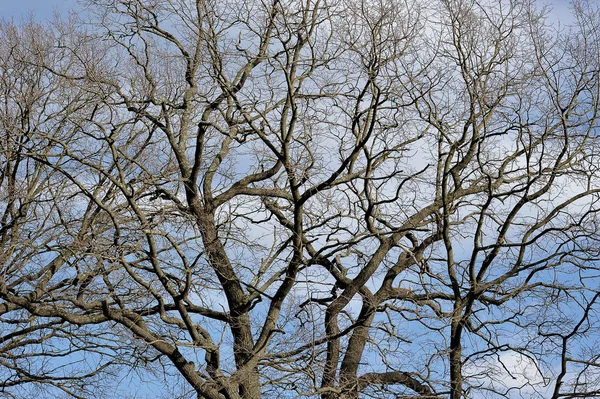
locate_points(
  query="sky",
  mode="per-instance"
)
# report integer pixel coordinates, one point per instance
(42, 9)
(45, 9)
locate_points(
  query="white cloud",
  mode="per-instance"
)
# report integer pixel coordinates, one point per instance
(511, 373)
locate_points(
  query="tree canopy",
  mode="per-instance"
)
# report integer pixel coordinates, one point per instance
(319, 198)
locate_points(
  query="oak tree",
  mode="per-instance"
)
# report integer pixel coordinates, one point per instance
(281, 199)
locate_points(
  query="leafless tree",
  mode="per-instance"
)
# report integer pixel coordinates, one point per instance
(280, 199)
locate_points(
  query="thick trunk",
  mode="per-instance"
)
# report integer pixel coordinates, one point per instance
(243, 341)
(456, 378)
(354, 352)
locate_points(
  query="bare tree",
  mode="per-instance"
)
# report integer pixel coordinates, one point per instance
(333, 199)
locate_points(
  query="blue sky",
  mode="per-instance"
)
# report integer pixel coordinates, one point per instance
(45, 9)
(42, 9)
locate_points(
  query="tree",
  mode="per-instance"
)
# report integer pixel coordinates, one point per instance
(333, 199)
